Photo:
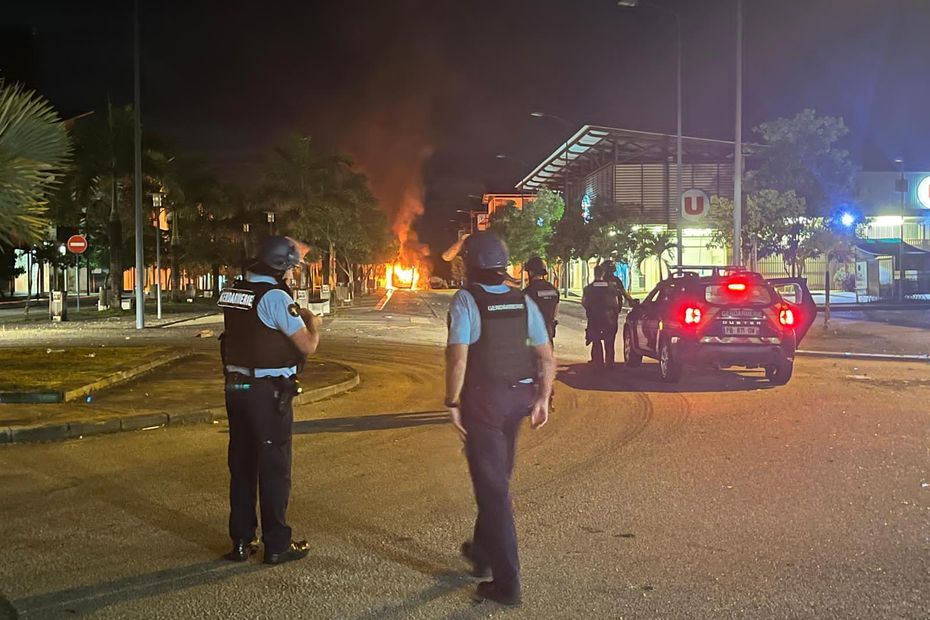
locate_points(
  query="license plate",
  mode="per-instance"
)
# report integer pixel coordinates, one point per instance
(740, 331)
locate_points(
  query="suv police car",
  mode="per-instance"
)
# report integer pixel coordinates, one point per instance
(728, 317)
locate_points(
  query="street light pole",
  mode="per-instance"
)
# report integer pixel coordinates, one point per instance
(568, 128)
(156, 202)
(137, 182)
(678, 148)
(902, 187)
(678, 132)
(738, 154)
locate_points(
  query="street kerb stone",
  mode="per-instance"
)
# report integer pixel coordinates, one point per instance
(66, 430)
(312, 396)
(39, 432)
(94, 427)
(31, 398)
(204, 416)
(147, 420)
(122, 376)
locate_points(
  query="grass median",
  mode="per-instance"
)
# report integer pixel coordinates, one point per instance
(56, 369)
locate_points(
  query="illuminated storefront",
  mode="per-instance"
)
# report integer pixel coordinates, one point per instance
(636, 170)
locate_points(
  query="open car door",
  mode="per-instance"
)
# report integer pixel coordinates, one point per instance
(795, 293)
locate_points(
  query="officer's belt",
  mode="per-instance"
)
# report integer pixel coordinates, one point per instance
(250, 373)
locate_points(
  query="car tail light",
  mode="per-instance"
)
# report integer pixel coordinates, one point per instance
(736, 287)
(692, 315)
(786, 317)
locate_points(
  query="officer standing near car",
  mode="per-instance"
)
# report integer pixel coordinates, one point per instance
(610, 274)
(499, 370)
(266, 340)
(601, 301)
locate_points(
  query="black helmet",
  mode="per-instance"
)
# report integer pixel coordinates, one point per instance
(279, 253)
(536, 267)
(485, 251)
(609, 267)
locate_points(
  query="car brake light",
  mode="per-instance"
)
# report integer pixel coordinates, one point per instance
(692, 315)
(786, 317)
(736, 287)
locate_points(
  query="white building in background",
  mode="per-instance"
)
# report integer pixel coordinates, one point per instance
(636, 170)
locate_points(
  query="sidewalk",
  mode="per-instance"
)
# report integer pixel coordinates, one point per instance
(188, 391)
(866, 337)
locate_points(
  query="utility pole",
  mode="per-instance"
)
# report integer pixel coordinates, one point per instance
(156, 202)
(738, 154)
(137, 182)
(902, 187)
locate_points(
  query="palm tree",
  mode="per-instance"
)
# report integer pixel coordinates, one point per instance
(34, 148)
(315, 191)
(657, 245)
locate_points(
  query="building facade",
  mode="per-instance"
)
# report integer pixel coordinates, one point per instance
(637, 171)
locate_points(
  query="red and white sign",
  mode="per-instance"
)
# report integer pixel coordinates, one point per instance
(481, 221)
(77, 244)
(694, 205)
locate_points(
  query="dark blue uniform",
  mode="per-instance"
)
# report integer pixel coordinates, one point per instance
(501, 326)
(601, 301)
(546, 297)
(261, 364)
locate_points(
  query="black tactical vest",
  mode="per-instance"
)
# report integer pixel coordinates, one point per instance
(246, 341)
(546, 297)
(502, 355)
(602, 302)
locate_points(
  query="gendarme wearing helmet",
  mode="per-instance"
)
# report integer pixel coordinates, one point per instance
(266, 339)
(500, 370)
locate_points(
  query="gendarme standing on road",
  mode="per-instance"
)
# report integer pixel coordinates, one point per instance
(499, 370)
(266, 340)
(541, 291)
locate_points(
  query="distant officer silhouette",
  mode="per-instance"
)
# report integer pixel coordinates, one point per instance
(541, 291)
(601, 301)
(267, 338)
(610, 275)
(499, 370)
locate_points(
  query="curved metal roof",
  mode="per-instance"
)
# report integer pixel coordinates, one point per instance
(593, 146)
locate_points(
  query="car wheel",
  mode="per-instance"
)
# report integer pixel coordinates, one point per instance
(779, 374)
(669, 367)
(631, 358)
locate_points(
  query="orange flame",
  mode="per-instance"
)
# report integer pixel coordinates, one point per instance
(402, 276)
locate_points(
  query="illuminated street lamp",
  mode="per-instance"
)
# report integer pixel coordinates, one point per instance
(525, 165)
(270, 216)
(568, 128)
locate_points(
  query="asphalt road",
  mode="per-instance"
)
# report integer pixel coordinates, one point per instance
(718, 498)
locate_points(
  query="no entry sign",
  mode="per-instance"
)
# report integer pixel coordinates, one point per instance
(694, 205)
(77, 244)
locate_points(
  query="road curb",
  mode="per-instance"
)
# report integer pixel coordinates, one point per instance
(86, 428)
(123, 375)
(38, 433)
(193, 318)
(874, 357)
(65, 396)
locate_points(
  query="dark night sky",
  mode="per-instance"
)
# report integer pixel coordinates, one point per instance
(449, 84)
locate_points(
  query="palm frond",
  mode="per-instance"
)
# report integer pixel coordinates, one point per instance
(34, 149)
